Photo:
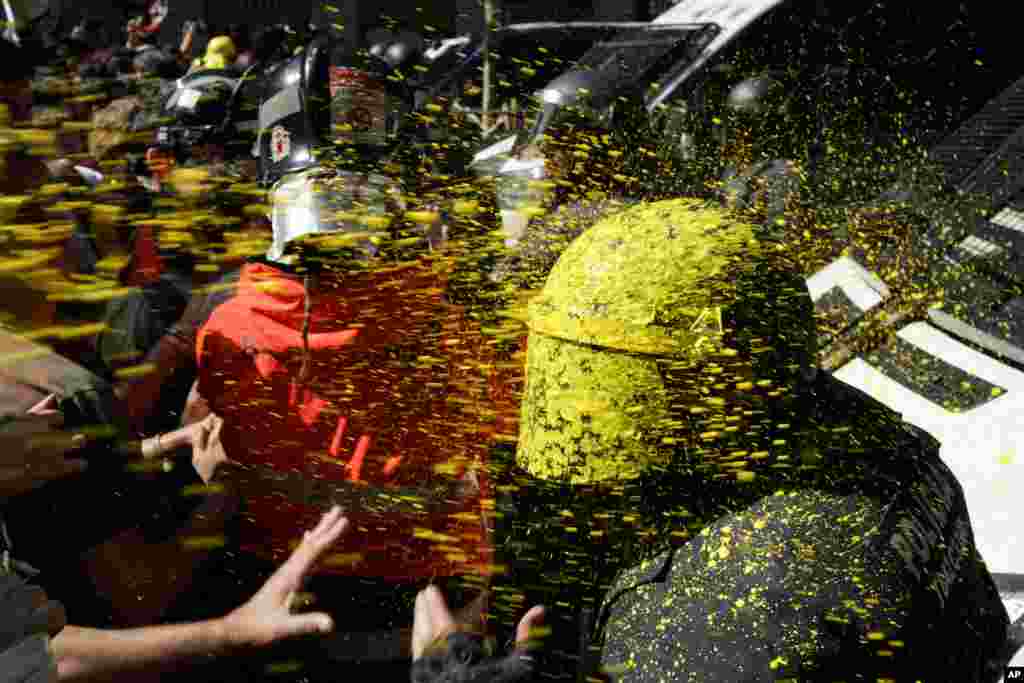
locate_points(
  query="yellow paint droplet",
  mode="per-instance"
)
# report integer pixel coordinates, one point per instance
(376, 221)
(284, 667)
(343, 559)
(431, 535)
(202, 542)
(428, 217)
(135, 371)
(202, 489)
(466, 207)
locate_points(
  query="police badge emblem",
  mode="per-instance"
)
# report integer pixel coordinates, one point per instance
(280, 143)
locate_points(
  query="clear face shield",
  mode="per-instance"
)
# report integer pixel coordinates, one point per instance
(521, 193)
(523, 173)
(354, 212)
(342, 210)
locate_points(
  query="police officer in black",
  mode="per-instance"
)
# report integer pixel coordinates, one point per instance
(709, 505)
(754, 131)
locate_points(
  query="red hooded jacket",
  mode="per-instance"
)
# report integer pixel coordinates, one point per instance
(389, 418)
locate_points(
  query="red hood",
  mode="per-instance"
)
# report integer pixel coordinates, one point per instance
(387, 304)
(386, 405)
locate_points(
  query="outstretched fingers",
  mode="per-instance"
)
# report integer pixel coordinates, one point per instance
(314, 544)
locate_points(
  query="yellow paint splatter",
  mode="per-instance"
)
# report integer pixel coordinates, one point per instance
(202, 542)
(135, 371)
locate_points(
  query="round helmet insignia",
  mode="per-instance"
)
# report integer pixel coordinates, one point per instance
(280, 143)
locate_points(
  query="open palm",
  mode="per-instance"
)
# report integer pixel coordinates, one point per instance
(267, 616)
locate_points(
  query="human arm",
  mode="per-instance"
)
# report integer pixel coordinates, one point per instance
(202, 435)
(85, 654)
(141, 574)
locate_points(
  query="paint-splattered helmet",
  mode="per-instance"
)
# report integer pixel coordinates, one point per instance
(656, 329)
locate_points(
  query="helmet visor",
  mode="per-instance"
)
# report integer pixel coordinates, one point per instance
(351, 209)
(591, 415)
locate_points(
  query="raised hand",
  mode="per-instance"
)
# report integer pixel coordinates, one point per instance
(207, 451)
(267, 616)
(433, 621)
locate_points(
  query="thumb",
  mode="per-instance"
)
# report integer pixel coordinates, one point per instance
(533, 619)
(310, 624)
(47, 406)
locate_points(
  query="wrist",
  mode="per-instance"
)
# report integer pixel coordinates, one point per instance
(151, 447)
(131, 450)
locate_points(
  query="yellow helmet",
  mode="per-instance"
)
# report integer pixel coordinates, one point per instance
(220, 53)
(658, 326)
